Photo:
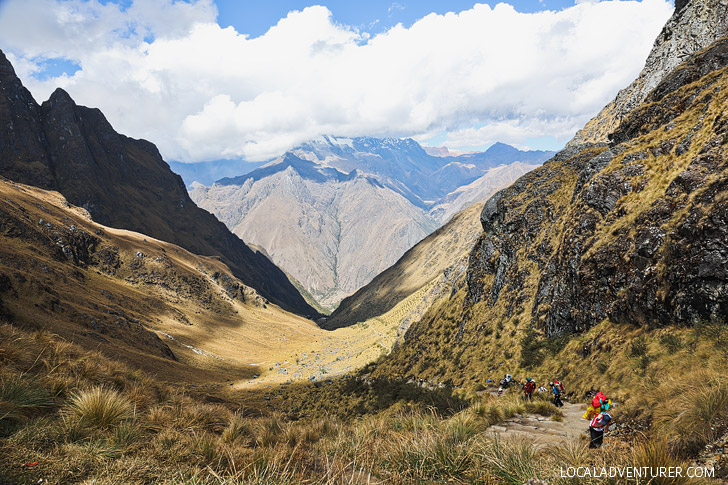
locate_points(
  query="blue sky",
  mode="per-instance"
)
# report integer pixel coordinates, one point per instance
(374, 16)
(208, 80)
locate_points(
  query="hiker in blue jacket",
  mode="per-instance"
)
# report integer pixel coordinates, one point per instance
(556, 388)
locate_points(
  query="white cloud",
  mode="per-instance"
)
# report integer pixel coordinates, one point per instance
(203, 92)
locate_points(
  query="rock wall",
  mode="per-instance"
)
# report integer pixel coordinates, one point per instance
(694, 25)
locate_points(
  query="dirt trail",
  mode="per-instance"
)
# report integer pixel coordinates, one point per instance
(542, 431)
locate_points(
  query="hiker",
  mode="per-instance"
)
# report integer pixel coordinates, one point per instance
(557, 393)
(595, 405)
(506, 381)
(528, 389)
(598, 426)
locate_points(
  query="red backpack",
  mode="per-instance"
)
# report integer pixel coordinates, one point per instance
(596, 421)
(560, 386)
(600, 422)
(597, 401)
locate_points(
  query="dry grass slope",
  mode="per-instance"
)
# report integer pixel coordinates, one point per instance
(63, 421)
(420, 265)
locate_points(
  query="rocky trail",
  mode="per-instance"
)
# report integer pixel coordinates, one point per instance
(542, 431)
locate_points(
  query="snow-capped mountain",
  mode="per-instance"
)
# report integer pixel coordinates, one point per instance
(335, 211)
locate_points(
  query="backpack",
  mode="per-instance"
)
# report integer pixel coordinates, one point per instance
(560, 386)
(597, 401)
(596, 421)
(599, 421)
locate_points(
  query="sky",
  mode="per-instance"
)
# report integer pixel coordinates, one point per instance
(209, 80)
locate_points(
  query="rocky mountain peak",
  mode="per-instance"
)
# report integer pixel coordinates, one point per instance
(121, 181)
(60, 97)
(693, 26)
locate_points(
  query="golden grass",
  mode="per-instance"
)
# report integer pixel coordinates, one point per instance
(98, 407)
(174, 438)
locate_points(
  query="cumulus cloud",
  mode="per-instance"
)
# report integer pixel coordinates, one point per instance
(166, 71)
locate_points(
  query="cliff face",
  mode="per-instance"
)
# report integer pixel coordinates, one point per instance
(634, 231)
(122, 182)
(693, 26)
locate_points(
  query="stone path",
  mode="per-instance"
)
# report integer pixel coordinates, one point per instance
(541, 430)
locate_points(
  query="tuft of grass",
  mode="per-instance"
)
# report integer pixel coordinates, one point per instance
(126, 435)
(269, 432)
(98, 407)
(654, 454)
(570, 453)
(543, 408)
(492, 413)
(237, 430)
(513, 461)
(20, 399)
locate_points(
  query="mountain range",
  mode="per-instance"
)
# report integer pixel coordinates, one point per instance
(347, 208)
(206, 173)
(121, 181)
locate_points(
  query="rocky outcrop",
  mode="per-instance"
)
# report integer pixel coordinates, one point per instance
(640, 238)
(630, 231)
(122, 182)
(694, 25)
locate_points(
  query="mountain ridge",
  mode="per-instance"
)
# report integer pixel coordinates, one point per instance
(603, 238)
(693, 26)
(355, 211)
(121, 181)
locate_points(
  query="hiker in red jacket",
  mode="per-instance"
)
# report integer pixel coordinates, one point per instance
(528, 389)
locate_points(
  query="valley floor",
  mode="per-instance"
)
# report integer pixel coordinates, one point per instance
(258, 353)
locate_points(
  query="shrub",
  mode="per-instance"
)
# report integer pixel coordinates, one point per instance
(671, 342)
(531, 350)
(98, 407)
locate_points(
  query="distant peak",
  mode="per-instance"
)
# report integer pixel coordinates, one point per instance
(60, 96)
(499, 147)
(4, 61)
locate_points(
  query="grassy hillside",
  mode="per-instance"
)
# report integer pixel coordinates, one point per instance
(419, 266)
(599, 266)
(73, 416)
(180, 316)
